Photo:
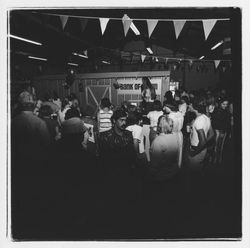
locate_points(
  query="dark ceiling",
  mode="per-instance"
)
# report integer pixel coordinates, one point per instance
(44, 25)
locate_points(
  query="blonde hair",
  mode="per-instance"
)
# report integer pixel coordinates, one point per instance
(165, 124)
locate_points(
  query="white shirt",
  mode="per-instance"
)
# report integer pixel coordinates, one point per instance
(178, 119)
(137, 134)
(153, 116)
(183, 108)
(201, 122)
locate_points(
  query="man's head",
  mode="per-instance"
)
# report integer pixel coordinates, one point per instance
(119, 119)
(27, 101)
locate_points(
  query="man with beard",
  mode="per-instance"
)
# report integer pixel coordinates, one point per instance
(117, 159)
(116, 145)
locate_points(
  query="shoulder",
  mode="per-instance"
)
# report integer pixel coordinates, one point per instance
(200, 121)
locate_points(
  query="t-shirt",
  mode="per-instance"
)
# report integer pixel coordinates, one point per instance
(137, 134)
(178, 119)
(153, 117)
(105, 120)
(164, 153)
(201, 122)
(183, 108)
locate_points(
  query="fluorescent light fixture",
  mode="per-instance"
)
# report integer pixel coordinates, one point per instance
(134, 28)
(202, 57)
(37, 58)
(26, 40)
(218, 44)
(80, 55)
(73, 64)
(132, 25)
(105, 62)
(149, 50)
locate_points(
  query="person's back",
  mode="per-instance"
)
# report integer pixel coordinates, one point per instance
(164, 151)
(30, 131)
(201, 122)
(104, 116)
(29, 137)
(155, 114)
(178, 119)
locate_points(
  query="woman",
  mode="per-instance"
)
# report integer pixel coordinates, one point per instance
(147, 90)
(164, 151)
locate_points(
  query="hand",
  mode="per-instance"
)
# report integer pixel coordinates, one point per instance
(192, 152)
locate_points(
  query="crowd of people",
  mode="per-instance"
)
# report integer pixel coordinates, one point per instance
(148, 142)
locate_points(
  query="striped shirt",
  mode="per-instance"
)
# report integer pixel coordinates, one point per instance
(105, 120)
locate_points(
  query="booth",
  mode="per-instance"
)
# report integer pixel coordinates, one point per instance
(92, 87)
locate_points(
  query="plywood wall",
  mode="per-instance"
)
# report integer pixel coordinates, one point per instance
(52, 83)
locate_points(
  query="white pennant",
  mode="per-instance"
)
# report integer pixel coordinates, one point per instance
(143, 57)
(103, 23)
(64, 20)
(156, 59)
(166, 60)
(208, 26)
(216, 63)
(85, 52)
(126, 23)
(178, 26)
(151, 26)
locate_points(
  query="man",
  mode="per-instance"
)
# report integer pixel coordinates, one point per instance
(29, 166)
(117, 157)
(116, 145)
(201, 134)
(29, 135)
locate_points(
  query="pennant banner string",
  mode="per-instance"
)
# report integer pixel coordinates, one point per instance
(136, 19)
(159, 57)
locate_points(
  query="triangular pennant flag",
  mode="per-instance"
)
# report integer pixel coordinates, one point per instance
(216, 63)
(166, 60)
(151, 26)
(156, 59)
(143, 57)
(126, 23)
(190, 62)
(83, 22)
(64, 20)
(103, 23)
(224, 68)
(178, 25)
(208, 26)
(85, 52)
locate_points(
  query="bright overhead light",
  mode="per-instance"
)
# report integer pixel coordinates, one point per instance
(202, 57)
(105, 62)
(149, 50)
(218, 44)
(37, 58)
(26, 40)
(80, 55)
(73, 64)
(134, 28)
(132, 25)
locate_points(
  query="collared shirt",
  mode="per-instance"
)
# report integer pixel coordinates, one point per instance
(117, 148)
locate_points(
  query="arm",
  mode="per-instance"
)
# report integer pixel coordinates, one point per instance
(202, 143)
(136, 145)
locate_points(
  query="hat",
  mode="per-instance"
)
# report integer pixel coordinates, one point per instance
(73, 126)
(25, 97)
